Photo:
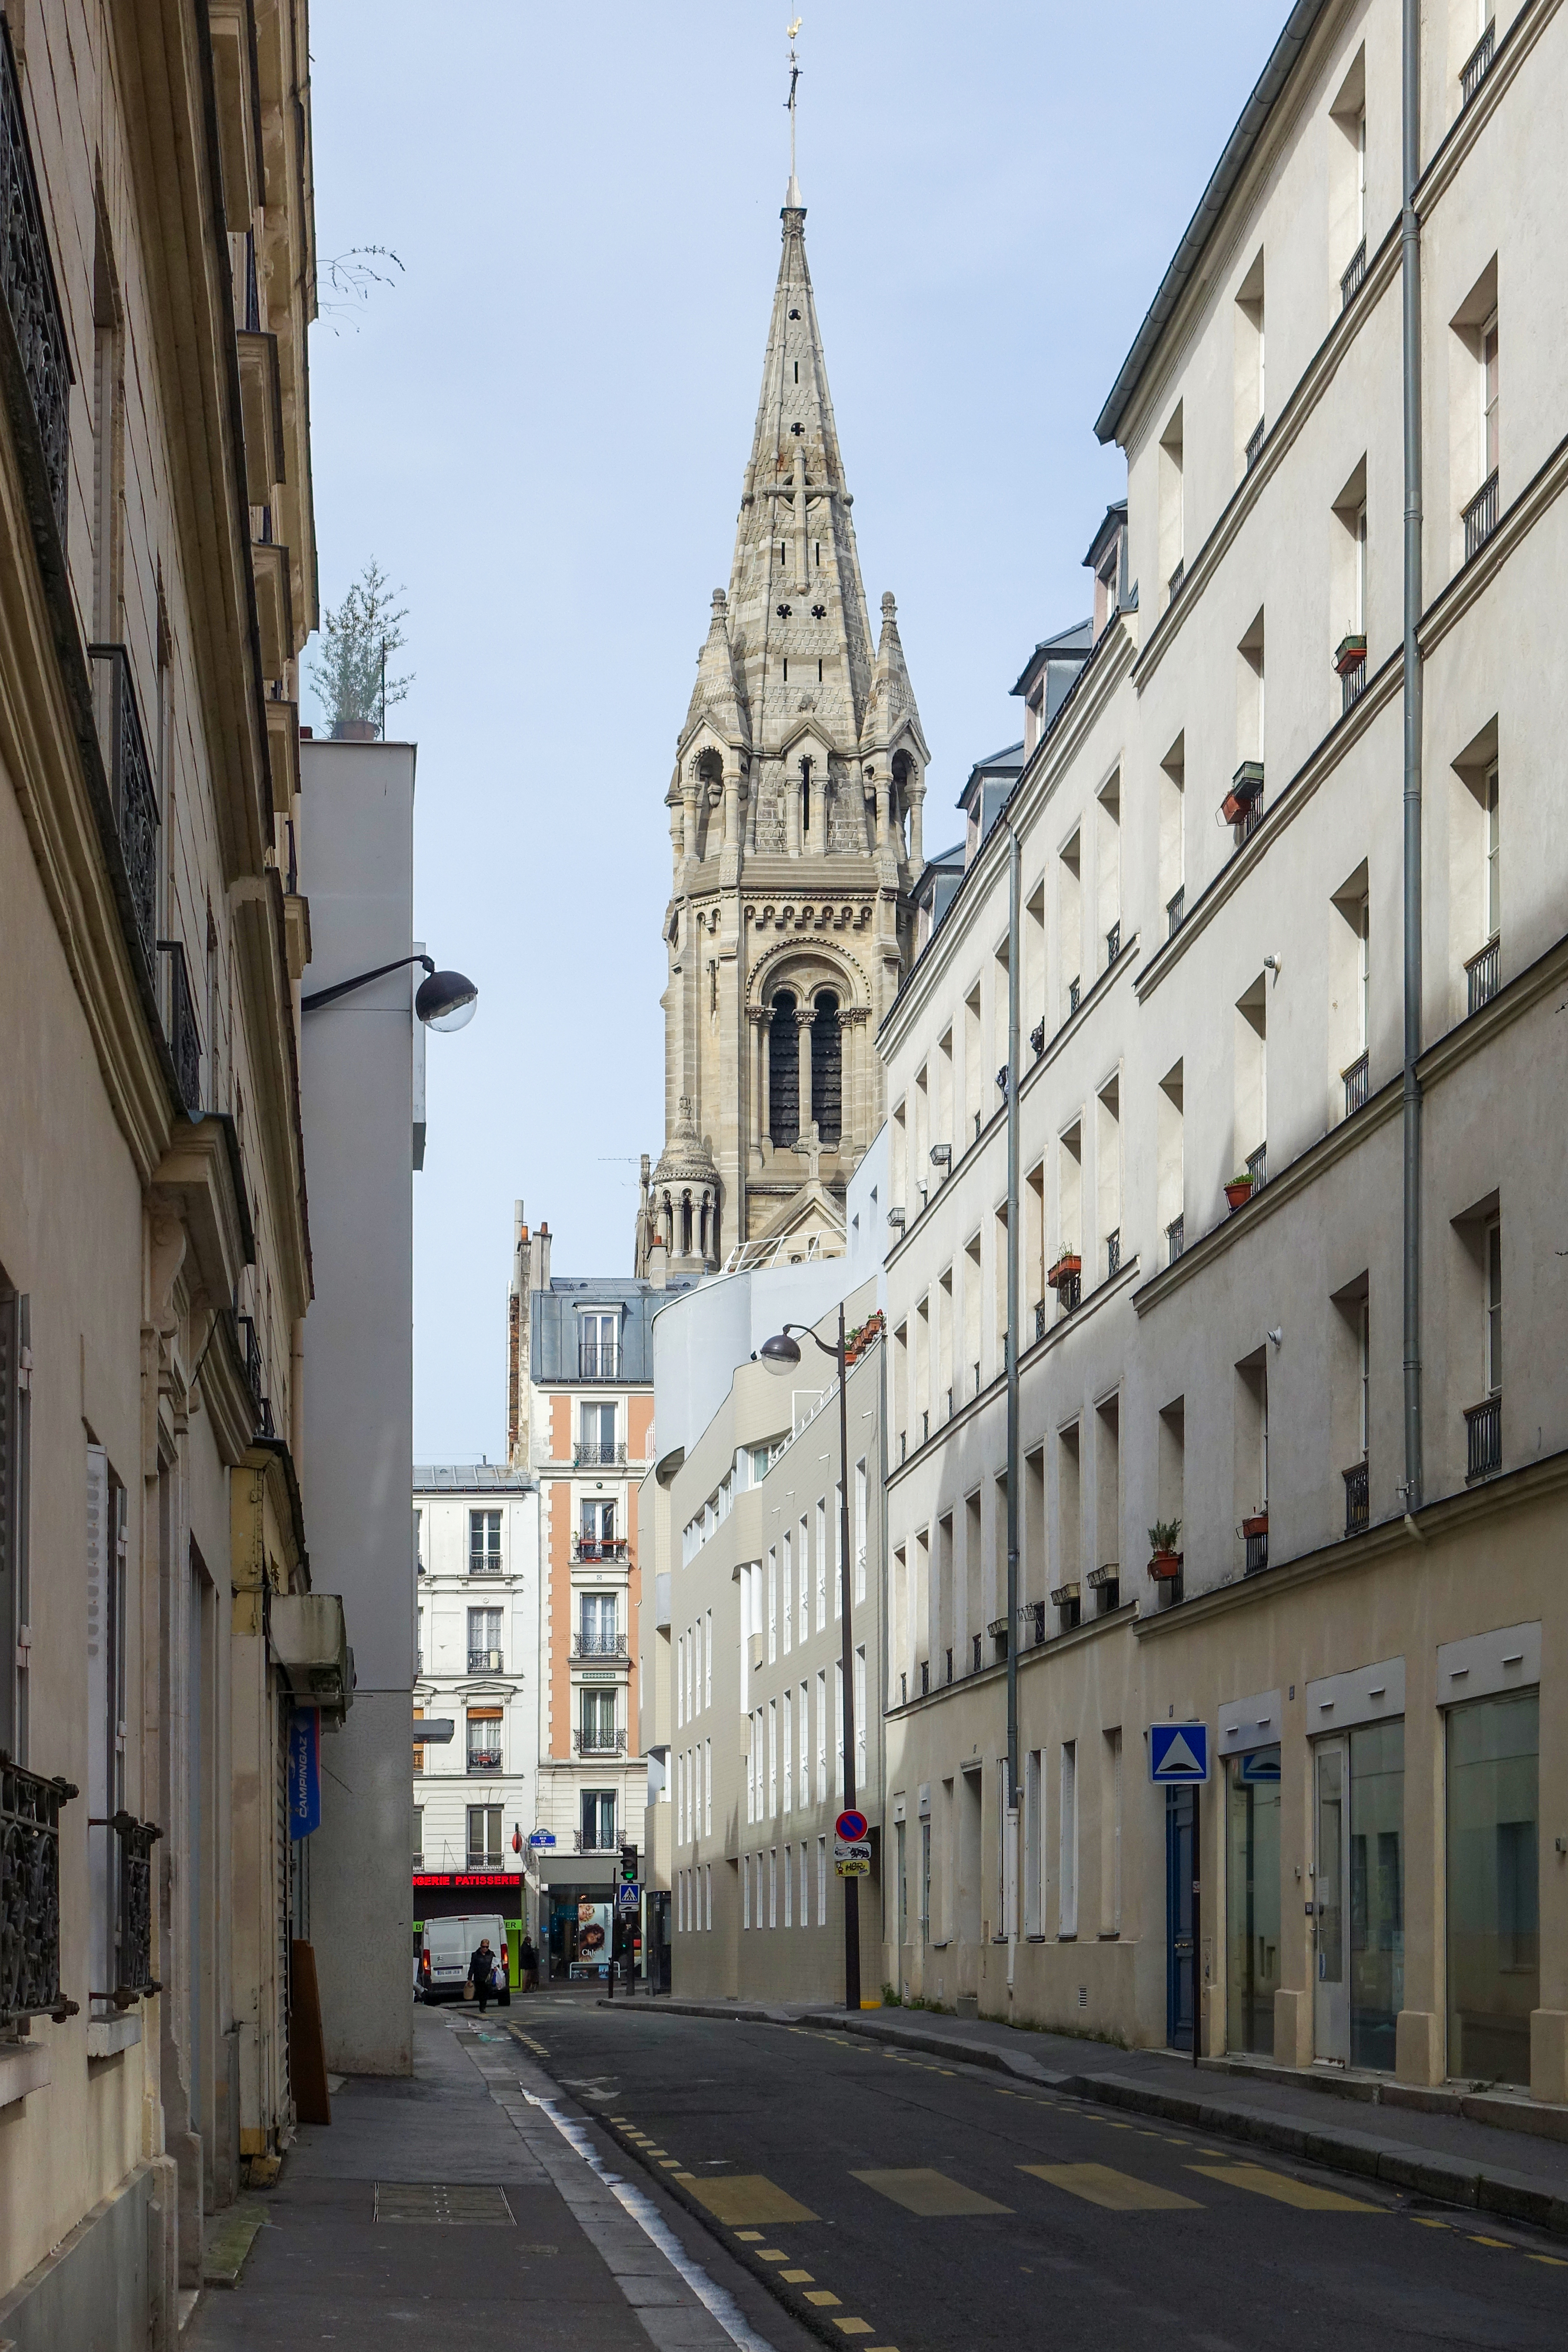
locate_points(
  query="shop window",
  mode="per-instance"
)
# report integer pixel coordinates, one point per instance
(1494, 1934)
(1252, 1899)
(1376, 1892)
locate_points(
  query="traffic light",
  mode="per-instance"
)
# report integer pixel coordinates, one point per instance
(629, 1866)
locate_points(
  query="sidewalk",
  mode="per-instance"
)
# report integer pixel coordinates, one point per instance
(1500, 2156)
(454, 2201)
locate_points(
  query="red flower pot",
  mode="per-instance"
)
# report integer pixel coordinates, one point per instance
(1239, 1195)
(1256, 1525)
(1165, 1564)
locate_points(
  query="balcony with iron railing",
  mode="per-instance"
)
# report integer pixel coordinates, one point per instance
(1174, 585)
(30, 1892)
(1483, 1439)
(1075, 994)
(1483, 975)
(602, 1549)
(598, 1457)
(1477, 65)
(251, 1356)
(133, 1977)
(28, 284)
(132, 795)
(1037, 1038)
(485, 1662)
(1242, 808)
(1356, 1498)
(184, 1038)
(1357, 1084)
(1255, 445)
(599, 1360)
(1176, 908)
(1351, 276)
(1480, 517)
(1105, 1583)
(1256, 1551)
(1113, 943)
(588, 1741)
(598, 1646)
(1112, 1254)
(1176, 1238)
(1257, 1168)
(484, 1759)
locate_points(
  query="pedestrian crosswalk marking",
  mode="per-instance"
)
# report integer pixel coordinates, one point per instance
(796, 2278)
(1097, 2184)
(821, 2294)
(930, 2194)
(1286, 2191)
(738, 2198)
(855, 2326)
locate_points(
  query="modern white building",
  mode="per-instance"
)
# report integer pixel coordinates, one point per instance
(476, 1529)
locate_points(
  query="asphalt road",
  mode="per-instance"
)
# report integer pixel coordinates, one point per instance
(907, 2206)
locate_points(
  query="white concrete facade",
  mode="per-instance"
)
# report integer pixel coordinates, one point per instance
(1211, 956)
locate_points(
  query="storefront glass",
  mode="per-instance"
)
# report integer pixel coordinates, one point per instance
(1252, 1899)
(1494, 1932)
(1376, 1891)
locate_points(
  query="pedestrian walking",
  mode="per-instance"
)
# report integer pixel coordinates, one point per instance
(482, 1971)
(528, 1964)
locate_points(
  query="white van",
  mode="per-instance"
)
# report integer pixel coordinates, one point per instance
(445, 1948)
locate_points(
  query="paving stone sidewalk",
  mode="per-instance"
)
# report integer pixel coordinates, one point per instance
(1351, 2124)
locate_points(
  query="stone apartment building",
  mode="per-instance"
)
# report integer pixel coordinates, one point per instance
(158, 583)
(1287, 1080)
(477, 1530)
(580, 1417)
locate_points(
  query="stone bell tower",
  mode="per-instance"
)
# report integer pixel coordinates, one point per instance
(796, 839)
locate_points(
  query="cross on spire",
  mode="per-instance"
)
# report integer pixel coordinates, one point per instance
(792, 194)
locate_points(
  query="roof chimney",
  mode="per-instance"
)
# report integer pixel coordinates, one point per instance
(542, 1257)
(658, 1266)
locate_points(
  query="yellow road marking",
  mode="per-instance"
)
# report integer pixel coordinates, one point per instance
(822, 2295)
(746, 2197)
(670, 2164)
(1550, 2261)
(771, 2254)
(1502, 2244)
(1422, 2223)
(796, 2278)
(930, 2194)
(1097, 2184)
(1283, 2188)
(855, 2326)
(751, 2237)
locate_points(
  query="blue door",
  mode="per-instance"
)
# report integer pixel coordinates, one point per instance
(1180, 1949)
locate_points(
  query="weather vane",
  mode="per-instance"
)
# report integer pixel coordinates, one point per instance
(790, 32)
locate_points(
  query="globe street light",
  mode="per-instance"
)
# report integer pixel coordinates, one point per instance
(780, 1354)
(444, 1000)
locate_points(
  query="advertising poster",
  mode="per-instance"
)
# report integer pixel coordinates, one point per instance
(592, 1937)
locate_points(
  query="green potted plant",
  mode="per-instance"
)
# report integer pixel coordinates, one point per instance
(1245, 787)
(357, 641)
(1238, 1191)
(1350, 652)
(1165, 1560)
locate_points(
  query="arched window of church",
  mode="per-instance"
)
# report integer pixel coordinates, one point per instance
(783, 1074)
(827, 1069)
(806, 797)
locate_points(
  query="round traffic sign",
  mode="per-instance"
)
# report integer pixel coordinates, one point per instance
(851, 1827)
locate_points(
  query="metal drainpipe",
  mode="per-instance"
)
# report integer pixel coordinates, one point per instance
(1015, 1349)
(1410, 235)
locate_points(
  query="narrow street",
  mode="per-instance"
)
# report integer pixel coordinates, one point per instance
(901, 2202)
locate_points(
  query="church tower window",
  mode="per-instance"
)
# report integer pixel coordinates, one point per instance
(783, 1074)
(827, 1069)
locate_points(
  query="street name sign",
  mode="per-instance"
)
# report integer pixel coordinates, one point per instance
(1178, 1754)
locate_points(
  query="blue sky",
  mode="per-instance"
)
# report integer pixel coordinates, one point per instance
(538, 429)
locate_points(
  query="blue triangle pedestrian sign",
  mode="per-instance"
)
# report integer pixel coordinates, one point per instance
(1178, 1753)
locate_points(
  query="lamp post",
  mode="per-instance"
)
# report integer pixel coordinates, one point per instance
(444, 1000)
(782, 1354)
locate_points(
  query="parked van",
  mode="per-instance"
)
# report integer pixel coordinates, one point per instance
(446, 1948)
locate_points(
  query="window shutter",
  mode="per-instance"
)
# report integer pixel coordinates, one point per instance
(100, 1839)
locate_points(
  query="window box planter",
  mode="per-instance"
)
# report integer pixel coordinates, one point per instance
(1258, 1525)
(1066, 1265)
(1164, 1565)
(1246, 786)
(1350, 653)
(1237, 1192)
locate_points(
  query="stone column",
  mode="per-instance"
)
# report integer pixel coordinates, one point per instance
(882, 814)
(792, 814)
(689, 815)
(804, 1015)
(848, 1083)
(917, 825)
(764, 1077)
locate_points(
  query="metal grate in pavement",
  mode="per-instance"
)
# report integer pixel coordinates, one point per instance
(436, 2200)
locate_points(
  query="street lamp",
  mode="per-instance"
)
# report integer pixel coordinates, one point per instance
(780, 1354)
(444, 1000)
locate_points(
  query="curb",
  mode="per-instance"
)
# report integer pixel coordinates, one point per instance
(1422, 2172)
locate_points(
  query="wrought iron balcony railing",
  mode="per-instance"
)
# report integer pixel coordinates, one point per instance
(1257, 1553)
(1355, 1480)
(598, 1361)
(1038, 1037)
(1258, 1167)
(1352, 679)
(1039, 1319)
(250, 1351)
(184, 1038)
(1075, 994)
(598, 1548)
(585, 1741)
(1477, 65)
(1483, 1439)
(1113, 942)
(1483, 975)
(1480, 517)
(1176, 908)
(1173, 584)
(134, 1841)
(1357, 1084)
(484, 1759)
(1255, 445)
(598, 1646)
(925, 1678)
(974, 1654)
(485, 1662)
(1351, 276)
(30, 1890)
(131, 791)
(1176, 1238)
(28, 283)
(1113, 1253)
(598, 1457)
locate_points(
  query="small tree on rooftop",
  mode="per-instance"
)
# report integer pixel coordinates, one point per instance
(358, 642)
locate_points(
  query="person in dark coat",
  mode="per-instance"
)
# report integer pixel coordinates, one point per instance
(481, 1972)
(528, 1964)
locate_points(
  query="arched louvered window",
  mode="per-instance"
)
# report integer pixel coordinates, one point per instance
(827, 1069)
(783, 1074)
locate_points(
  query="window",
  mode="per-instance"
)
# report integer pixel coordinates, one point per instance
(1494, 870)
(708, 1662)
(826, 1069)
(1111, 1835)
(773, 1887)
(745, 1890)
(788, 1589)
(418, 1837)
(597, 1539)
(900, 1886)
(1032, 1830)
(597, 1436)
(1488, 391)
(484, 1543)
(596, 1635)
(822, 1882)
(784, 1073)
(484, 1837)
(821, 1565)
(789, 1755)
(773, 1606)
(106, 1682)
(1172, 566)
(598, 1346)
(861, 1720)
(860, 1502)
(484, 1739)
(419, 1744)
(804, 1583)
(1494, 1307)
(773, 1759)
(1494, 1919)
(1067, 1923)
(822, 1735)
(1252, 1898)
(707, 1887)
(484, 1640)
(789, 1887)
(598, 1721)
(598, 1816)
(925, 1882)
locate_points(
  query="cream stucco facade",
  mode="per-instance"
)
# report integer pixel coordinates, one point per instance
(1211, 952)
